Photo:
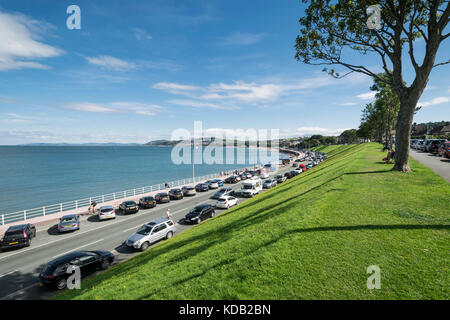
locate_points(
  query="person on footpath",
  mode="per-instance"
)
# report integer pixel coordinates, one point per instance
(169, 216)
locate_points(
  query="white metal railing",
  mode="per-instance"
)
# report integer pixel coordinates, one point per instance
(85, 203)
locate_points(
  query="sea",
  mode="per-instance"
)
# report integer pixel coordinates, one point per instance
(36, 176)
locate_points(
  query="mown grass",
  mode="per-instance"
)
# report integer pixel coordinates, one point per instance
(312, 237)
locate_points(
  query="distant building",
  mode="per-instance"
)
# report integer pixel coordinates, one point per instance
(445, 131)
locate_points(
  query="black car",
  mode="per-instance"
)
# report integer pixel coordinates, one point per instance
(222, 192)
(294, 173)
(243, 176)
(162, 197)
(129, 207)
(18, 236)
(147, 202)
(175, 194)
(54, 274)
(200, 213)
(231, 179)
(288, 175)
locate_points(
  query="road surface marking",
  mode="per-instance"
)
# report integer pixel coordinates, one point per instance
(5, 274)
(59, 255)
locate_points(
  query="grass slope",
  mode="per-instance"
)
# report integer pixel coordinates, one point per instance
(312, 237)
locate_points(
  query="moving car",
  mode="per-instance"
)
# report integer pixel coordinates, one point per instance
(106, 212)
(219, 182)
(226, 202)
(54, 274)
(162, 197)
(264, 175)
(129, 207)
(189, 191)
(243, 176)
(200, 213)
(151, 232)
(147, 202)
(70, 222)
(222, 192)
(18, 236)
(175, 194)
(269, 183)
(201, 187)
(280, 178)
(212, 184)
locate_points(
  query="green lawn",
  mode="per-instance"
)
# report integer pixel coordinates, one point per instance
(312, 237)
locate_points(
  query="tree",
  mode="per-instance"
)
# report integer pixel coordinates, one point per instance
(328, 30)
(349, 136)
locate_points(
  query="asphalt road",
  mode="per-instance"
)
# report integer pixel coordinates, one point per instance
(439, 165)
(20, 268)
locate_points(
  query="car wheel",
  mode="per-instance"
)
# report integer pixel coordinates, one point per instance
(28, 243)
(145, 246)
(228, 206)
(61, 284)
(199, 220)
(169, 235)
(105, 265)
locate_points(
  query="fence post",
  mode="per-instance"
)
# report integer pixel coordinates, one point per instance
(134, 192)
(60, 207)
(3, 219)
(114, 196)
(76, 204)
(24, 214)
(103, 198)
(43, 210)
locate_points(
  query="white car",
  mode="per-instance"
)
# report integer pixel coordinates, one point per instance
(264, 175)
(226, 202)
(106, 212)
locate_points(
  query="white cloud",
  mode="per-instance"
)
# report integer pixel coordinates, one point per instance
(242, 39)
(318, 130)
(201, 104)
(367, 96)
(141, 34)
(116, 107)
(111, 63)
(348, 104)
(175, 88)
(434, 101)
(19, 43)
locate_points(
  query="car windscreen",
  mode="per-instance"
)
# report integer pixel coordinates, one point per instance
(106, 210)
(144, 230)
(13, 232)
(48, 270)
(69, 219)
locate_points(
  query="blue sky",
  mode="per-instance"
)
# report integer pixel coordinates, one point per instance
(138, 70)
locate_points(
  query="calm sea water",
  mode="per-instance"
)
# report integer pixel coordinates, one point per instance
(34, 176)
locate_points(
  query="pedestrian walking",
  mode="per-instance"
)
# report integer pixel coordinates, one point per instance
(169, 216)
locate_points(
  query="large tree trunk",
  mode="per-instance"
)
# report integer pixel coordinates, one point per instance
(403, 132)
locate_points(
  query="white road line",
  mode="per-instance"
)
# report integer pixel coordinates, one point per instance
(58, 255)
(18, 291)
(5, 274)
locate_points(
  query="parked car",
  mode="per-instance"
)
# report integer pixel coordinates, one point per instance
(69, 222)
(151, 232)
(201, 187)
(189, 191)
(212, 184)
(264, 175)
(106, 212)
(226, 202)
(129, 207)
(18, 236)
(147, 202)
(54, 274)
(200, 213)
(231, 179)
(444, 149)
(220, 182)
(434, 146)
(162, 197)
(251, 187)
(243, 176)
(280, 178)
(295, 164)
(288, 175)
(294, 173)
(175, 194)
(270, 183)
(222, 192)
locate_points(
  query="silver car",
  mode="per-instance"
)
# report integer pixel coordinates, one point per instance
(151, 232)
(188, 191)
(69, 223)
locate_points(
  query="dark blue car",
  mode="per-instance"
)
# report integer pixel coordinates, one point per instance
(201, 187)
(219, 182)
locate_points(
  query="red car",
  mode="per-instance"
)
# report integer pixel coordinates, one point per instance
(303, 167)
(444, 149)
